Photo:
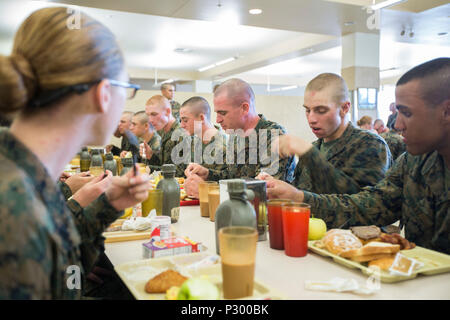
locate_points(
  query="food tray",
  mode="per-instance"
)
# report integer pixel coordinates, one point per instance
(434, 262)
(189, 202)
(136, 274)
(117, 236)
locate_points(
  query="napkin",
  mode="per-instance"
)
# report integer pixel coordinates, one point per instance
(340, 285)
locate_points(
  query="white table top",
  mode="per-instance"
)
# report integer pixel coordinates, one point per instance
(287, 275)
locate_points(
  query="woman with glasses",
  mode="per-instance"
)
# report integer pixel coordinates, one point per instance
(67, 89)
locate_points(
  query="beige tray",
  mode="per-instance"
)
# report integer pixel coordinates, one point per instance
(117, 236)
(136, 274)
(434, 262)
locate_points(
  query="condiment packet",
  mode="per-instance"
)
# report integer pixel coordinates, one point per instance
(404, 266)
(339, 285)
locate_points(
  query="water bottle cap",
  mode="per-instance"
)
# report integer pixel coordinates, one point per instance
(236, 186)
(168, 168)
(109, 156)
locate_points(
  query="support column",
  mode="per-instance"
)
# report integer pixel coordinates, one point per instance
(360, 69)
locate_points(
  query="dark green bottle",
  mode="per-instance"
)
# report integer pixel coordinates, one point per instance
(236, 211)
(171, 192)
(110, 164)
(127, 165)
(85, 160)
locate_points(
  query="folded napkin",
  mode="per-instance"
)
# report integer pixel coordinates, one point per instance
(340, 285)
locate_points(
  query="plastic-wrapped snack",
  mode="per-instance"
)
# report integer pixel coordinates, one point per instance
(404, 266)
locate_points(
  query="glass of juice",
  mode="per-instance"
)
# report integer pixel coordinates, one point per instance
(238, 254)
(275, 221)
(295, 216)
(96, 171)
(153, 201)
(203, 190)
(213, 200)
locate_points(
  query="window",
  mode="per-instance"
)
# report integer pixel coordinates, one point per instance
(367, 98)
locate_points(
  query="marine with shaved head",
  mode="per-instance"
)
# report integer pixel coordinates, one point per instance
(344, 159)
(234, 103)
(416, 189)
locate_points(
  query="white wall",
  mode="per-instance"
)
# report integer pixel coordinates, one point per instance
(287, 111)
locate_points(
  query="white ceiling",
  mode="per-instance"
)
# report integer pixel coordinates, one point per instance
(289, 43)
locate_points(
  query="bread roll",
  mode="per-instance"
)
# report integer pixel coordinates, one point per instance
(338, 241)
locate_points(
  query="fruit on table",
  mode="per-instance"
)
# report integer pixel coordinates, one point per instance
(198, 289)
(317, 229)
(172, 293)
(127, 213)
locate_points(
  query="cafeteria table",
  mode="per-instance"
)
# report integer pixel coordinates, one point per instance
(287, 275)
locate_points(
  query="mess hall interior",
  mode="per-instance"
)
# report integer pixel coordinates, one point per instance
(225, 149)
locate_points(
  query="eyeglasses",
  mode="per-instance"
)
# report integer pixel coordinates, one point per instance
(46, 97)
(130, 87)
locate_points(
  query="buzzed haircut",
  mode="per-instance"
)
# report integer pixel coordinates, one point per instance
(324, 80)
(434, 77)
(238, 91)
(129, 114)
(142, 116)
(198, 105)
(377, 121)
(159, 100)
(165, 85)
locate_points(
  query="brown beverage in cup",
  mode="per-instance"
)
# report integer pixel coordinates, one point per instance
(214, 201)
(242, 276)
(203, 190)
(238, 253)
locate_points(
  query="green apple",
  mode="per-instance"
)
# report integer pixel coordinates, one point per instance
(317, 229)
(198, 289)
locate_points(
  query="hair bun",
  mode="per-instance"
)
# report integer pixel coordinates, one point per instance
(17, 83)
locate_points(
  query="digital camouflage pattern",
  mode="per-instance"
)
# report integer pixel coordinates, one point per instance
(40, 237)
(357, 159)
(209, 159)
(250, 168)
(395, 143)
(155, 144)
(167, 144)
(414, 191)
(175, 109)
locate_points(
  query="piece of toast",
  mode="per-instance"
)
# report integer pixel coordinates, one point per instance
(164, 281)
(371, 248)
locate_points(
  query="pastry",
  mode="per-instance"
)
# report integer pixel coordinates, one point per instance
(164, 281)
(338, 241)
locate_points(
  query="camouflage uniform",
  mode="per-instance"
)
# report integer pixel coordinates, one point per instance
(395, 143)
(357, 159)
(414, 190)
(175, 109)
(41, 236)
(252, 167)
(167, 144)
(218, 141)
(155, 144)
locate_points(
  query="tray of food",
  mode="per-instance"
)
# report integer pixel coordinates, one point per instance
(390, 256)
(163, 278)
(125, 230)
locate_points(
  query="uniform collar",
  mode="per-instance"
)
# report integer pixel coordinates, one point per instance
(340, 143)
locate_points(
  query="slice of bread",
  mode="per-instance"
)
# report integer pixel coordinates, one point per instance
(370, 257)
(372, 248)
(383, 263)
